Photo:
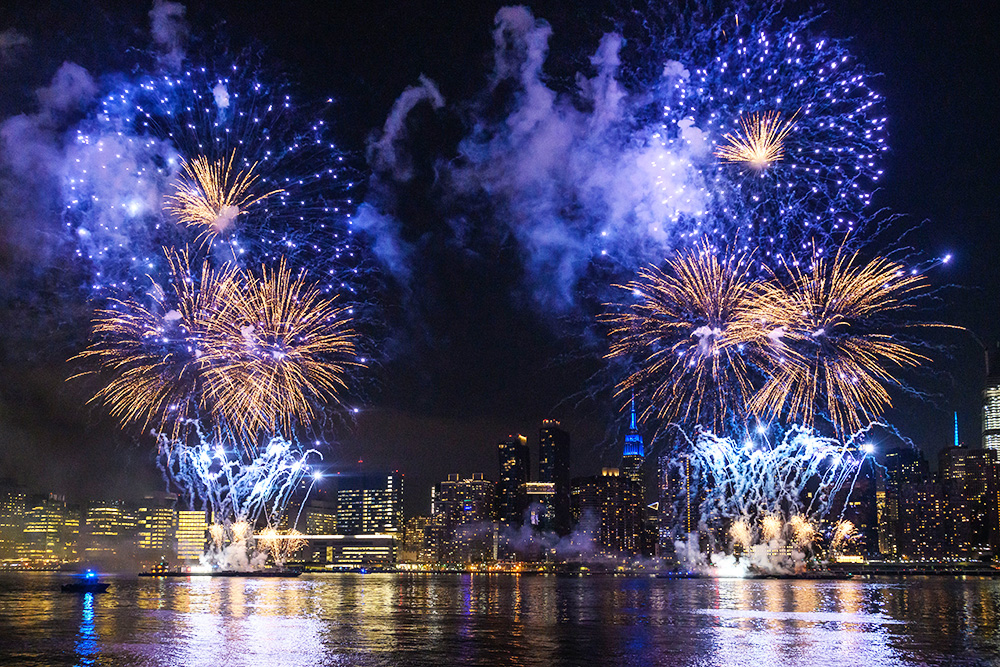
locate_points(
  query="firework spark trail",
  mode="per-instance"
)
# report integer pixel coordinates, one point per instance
(690, 327)
(155, 355)
(278, 347)
(759, 143)
(209, 196)
(233, 488)
(830, 348)
(757, 480)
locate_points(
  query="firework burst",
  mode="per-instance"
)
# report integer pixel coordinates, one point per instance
(759, 143)
(155, 355)
(690, 327)
(210, 195)
(827, 345)
(278, 348)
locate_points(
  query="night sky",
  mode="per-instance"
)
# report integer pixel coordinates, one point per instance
(464, 358)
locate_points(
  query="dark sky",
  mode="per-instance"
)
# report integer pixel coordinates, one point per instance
(483, 364)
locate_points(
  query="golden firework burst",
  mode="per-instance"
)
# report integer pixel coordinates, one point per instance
(690, 327)
(277, 348)
(826, 347)
(760, 141)
(155, 354)
(209, 195)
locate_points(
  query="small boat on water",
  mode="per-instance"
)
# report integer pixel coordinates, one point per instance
(87, 583)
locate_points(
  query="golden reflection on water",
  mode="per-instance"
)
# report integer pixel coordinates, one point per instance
(495, 619)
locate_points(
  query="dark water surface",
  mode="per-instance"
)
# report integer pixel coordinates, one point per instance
(389, 619)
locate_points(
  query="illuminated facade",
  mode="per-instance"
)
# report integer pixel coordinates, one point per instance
(370, 503)
(12, 508)
(359, 551)
(899, 467)
(515, 465)
(634, 454)
(192, 534)
(613, 505)
(922, 510)
(157, 526)
(51, 531)
(464, 509)
(991, 408)
(109, 531)
(553, 468)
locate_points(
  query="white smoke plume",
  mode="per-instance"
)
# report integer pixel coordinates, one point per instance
(169, 31)
(384, 153)
(565, 174)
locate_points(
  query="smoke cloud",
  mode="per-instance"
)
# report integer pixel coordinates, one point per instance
(569, 176)
(169, 31)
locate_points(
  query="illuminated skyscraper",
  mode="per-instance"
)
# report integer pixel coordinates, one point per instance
(51, 531)
(109, 531)
(971, 481)
(553, 468)
(899, 467)
(464, 509)
(991, 405)
(192, 534)
(370, 503)
(12, 508)
(157, 526)
(634, 455)
(515, 464)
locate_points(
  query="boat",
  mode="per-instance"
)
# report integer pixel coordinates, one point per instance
(87, 583)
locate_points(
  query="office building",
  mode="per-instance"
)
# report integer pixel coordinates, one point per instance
(109, 532)
(515, 464)
(553, 468)
(464, 511)
(991, 403)
(633, 454)
(192, 534)
(12, 508)
(51, 531)
(156, 528)
(370, 503)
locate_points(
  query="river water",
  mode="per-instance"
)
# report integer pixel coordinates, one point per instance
(460, 619)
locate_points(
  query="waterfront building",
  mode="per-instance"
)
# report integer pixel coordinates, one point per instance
(109, 532)
(12, 508)
(51, 531)
(541, 498)
(922, 510)
(192, 534)
(370, 503)
(615, 502)
(463, 512)
(515, 465)
(156, 528)
(358, 551)
(553, 468)
(898, 466)
(417, 544)
(971, 482)
(677, 503)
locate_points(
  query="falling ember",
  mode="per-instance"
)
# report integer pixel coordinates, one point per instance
(803, 531)
(210, 195)
(759, 143)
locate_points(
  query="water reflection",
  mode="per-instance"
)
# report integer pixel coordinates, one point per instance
(489, 619)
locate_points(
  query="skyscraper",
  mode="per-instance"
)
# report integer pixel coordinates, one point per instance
(634, 455)
(51, 531)
(109, 531)
(464, 508)
(991, 404)
(12, 507)
(553, 468)
(157, 526)
(192, 534)
(515, 464)
(370, 503)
